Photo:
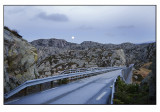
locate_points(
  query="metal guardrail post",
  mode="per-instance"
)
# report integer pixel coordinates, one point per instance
(25, 91)
(52, 84)
(40, 87)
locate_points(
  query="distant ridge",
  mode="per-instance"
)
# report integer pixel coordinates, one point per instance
(148, 42)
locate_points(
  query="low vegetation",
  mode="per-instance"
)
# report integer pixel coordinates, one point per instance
(130, 93)
(15, 32)
(63, 81)
(140, 73)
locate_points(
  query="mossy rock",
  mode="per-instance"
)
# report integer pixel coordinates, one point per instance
(35, 57)
(19, 76)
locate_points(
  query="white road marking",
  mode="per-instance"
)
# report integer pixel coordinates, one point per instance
(12, 101)
(100, 96)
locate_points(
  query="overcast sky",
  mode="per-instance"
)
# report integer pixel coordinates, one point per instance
(104, 24)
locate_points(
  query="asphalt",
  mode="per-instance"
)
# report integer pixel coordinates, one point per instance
(91, 90)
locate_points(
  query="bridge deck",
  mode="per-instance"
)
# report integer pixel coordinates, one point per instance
(91, 90)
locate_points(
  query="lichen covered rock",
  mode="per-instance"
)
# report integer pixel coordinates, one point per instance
(19, 61)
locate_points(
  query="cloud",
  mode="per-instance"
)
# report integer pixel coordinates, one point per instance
(53, 17)
(126, 27)
(14, 10)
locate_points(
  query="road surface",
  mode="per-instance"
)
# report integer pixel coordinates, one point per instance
(91, 90)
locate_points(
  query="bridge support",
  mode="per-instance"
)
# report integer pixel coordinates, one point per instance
(60, 81)
(52, 84)
(25, 91)
(81, 76)
(76, 77)
(69, 80)
(40, 87)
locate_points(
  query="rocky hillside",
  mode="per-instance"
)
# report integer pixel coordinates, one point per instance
(72, 59)
(135, 53)
(56, 55)
(20, 59)
(150, 80)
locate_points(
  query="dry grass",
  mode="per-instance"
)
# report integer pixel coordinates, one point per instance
(142, 72)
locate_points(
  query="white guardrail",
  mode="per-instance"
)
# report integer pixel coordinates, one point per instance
(86, 72)
(124, 75)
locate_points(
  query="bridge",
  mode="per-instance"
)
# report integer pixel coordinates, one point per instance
(82, 86)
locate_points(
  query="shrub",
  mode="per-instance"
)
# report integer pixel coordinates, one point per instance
(130, 93)
(109, 54)
(15, 32)
(5, 27)
(117, 58)
(63, 81)
(84, 65)
(55, 61)
(117, 101)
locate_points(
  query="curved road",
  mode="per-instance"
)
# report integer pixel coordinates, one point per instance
(91, 90)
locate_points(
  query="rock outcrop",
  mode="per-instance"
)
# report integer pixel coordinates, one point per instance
(72, 59)
(150, 81)
(56, 55)
(20, 59)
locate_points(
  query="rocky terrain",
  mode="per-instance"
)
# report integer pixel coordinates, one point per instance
(19, 60)
(72, 59)
(150, 80)
(47, 57)
(55, 55)
(58, 55)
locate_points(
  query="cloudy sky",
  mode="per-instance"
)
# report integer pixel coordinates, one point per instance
(104, 24)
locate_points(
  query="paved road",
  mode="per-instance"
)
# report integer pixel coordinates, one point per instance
(91, 90)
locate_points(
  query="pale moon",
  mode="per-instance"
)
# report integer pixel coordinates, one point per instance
(73, 37)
